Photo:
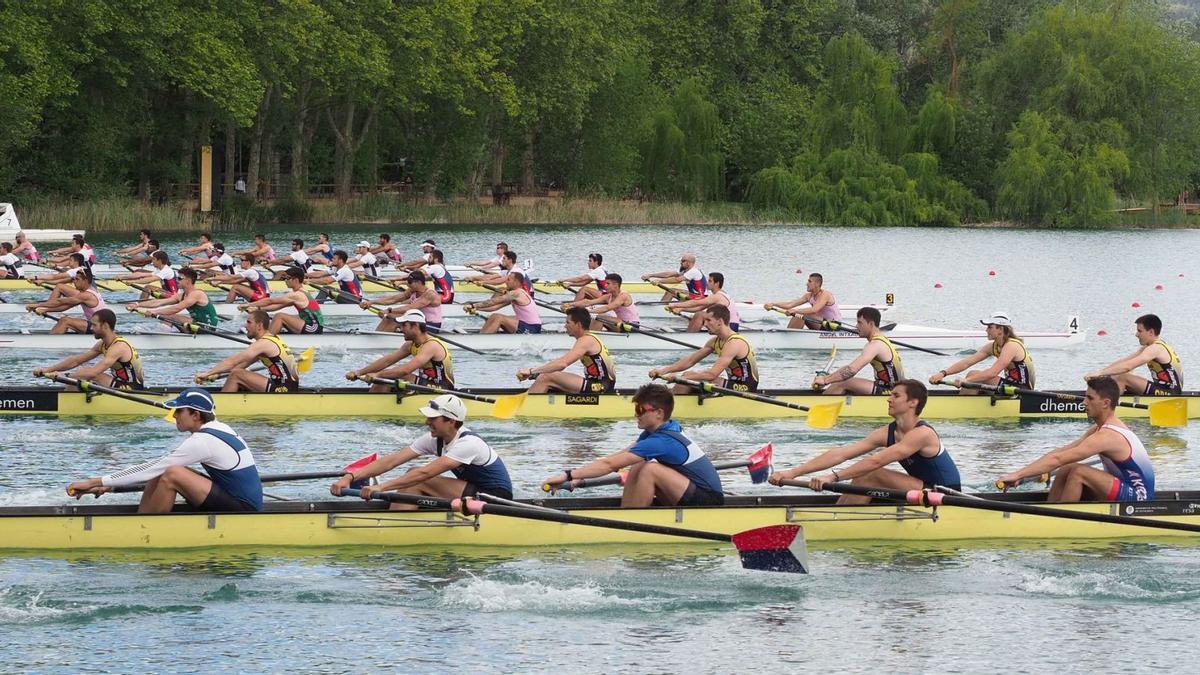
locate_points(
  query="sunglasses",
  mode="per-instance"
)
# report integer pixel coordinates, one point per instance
(639, 409)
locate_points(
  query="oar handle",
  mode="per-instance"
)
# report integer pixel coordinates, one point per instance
(88, 385)
(679, 294)
(709, 387)
(403, 384)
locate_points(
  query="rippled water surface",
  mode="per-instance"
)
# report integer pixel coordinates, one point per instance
(973, 607)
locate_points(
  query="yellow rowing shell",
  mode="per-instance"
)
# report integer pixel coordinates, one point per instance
(355, 523)
(368, 286)
(357, 402)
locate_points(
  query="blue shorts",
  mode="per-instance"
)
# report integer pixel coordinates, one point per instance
(734, 326)
(1127, 492)
(523, 327)
(433, 327)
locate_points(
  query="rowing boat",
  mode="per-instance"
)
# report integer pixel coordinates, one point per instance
(355, 523)
(634, 287)
(762, 340)
(345, 402)
(109, 270)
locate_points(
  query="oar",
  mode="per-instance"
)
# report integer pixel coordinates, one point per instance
(1169, 412)
(839, 326)
(88, 385)
(1043, 477)
(673, 291)
(47, 315)
(277, 477)
(775, 552)
(194, 327)
(378, 312)
(931, 498)
(823, 416)
(759, 465)
(156, 292)
(304, 363)
(503, 407)
(828, 364)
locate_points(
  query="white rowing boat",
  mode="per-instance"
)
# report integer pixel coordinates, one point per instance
(762, 340)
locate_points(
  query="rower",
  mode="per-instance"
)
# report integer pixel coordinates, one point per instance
(82, 294)
(24, 249)
(1127, 474)
(386, 251)
(735, 357)
(666, 467)
(907, 440)
(269, 350)
(1165, 369)
(417, 296)
(340, 273)
(64, 281)
(188, 297)
(614, 300)
(247, 282)
(323, 251)
(11, 264)
(298, 257)
(430, 364)
(596, 274)
(600, 376)
(475, 465)
(694, 281)
(308, 318)
(822, 306)
(78, 244)
(163, 273)
(426, 257)
(217, 258)
(879, 352)
(142, 245)
(508, 262)
(525, 317)
(203, 248)
(443, 283)
(699, 306)
(230, 481)
(491, 263)
(144, 258)
(364, 260)
(1013, 365)
(260, 251)
(115, 353)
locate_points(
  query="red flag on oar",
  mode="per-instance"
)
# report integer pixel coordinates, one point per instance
(776, 548)
(358, 464)
(760, 464)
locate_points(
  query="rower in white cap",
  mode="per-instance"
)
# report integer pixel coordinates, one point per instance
(429, 361)
(1012, 365)
(475, 465)
(427, 248)
(364, 260)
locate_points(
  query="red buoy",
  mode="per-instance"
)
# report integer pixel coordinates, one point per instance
(1101, 332)
(1158, 287)
(1136, 305)
(937, 285)
(992, 273)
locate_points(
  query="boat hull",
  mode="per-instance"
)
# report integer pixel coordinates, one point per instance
(636, 288)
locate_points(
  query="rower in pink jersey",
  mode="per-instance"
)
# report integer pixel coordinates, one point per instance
(717, 296)
(25, 248)
(614, 300)
(822, 306)
(525, 317)
(81, 293)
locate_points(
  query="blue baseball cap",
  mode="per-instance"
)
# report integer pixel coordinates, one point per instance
(194, 398)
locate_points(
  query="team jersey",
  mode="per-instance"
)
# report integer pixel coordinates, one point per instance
(300, 259)
(205, 314)
(443, 283)
(598, 276)
(696, 283)
(1018, 373)
(168, 279)
(742, 373)
(89, 311)
(257, 282)
(125, 374)
(225, 263)
(1167, 375)
(937, 470)
(281, 368)
(600, 376)
(437, 373)
(1134, 474)
(368, 262)
(311, 312)
(12, 264)
(30, 253)
(348, 281)
(887, 373)
(478, 465)
(668, 446)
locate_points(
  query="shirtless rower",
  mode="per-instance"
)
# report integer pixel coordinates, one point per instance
(230, 481)
(694, 281)
(418, 296)
(599, 373)
(822, 306)
(908, 441)
(364, 260)
(592, 283)
(1165, 368)
(188, 297)
(615, 300)
(248, 283)
(339, 272)
(12, 266)
(490, 263)
(386, 251)
(142, 245)
(261, 250)
(203, 248)
(736, 366)
(1127, 474)
(455, 448)
(308, 318)
(525, 319)
(717, 296)
(116, 355)
(323, 251)
(82, 294)
(879, 352)
(162, 273)
(1013, 365)
(429, 360)
(269, 350)
(666, 468)
(24, 249)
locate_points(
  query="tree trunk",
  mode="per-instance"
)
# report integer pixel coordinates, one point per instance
(230, 158)
(347, 143)
(271, 166)
(254, 161)
(144, 155)
(298, 186)
(527, 161)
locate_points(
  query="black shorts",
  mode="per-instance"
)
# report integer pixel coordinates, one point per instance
(695, 495)
(881, 388)
(593, 385)
(282, 387)
(1154, 388)
(432, 327)
(220, 500)
(313, 329)
(471, 490)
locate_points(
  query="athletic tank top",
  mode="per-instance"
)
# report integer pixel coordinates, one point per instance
(1136, 471)
(599, 366)
(1167, 374)
(436, 372)
(734, 317)
(628, 313)
(89, 311)
(831, 311)
(443, 283)
(487, 476)
(270, 254)
(527, 314)
(937, 470)
(31, 254)
(126, 374)
(742, 373)
(351, 285)
(433, 313)
(205, 314)
(696, 465)
(281, 368)
(311, 312)
(887, 373)
(241, 482)
(1020, 373)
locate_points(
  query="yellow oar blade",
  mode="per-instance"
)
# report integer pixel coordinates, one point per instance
(506, 407)
(824, 416)
(170, 416)
(304, 362)
(1169, 413)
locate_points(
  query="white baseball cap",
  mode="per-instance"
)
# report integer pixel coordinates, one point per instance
(363, 244)
(446, 405)
(413, 316)
(429, 243)
(997, 319)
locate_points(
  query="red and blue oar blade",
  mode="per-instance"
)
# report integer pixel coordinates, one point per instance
(358, 464)
(760, 464)
(775, 548)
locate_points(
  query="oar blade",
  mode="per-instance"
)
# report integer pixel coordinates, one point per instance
(825, 415)
(776, 548)
(760, 464)
(304, 362)
(1169, 413)
(506, 407)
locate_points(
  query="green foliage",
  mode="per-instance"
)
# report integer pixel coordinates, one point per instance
(682, 158)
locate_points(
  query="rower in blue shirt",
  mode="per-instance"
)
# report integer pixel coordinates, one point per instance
(666, 468)
(908, 441)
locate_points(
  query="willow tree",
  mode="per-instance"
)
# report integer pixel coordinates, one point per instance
(856, 102)
(683, 159)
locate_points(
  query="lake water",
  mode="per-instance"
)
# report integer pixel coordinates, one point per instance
(966, 607)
